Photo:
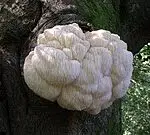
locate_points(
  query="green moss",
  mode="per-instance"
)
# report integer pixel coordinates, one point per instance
(102, 15)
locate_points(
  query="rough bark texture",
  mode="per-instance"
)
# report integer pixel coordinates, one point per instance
(135, 20)
(24, 113)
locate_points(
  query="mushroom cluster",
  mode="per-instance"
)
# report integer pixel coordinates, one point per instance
(81, 71)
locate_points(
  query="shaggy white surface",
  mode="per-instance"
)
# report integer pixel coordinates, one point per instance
(82, 71)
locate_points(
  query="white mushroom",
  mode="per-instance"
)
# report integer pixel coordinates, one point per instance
(81, 71)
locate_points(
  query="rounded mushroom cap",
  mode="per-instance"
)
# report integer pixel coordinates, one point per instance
(81, 71)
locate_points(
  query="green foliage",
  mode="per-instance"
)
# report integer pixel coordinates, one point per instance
(136, 109)
(101, 14)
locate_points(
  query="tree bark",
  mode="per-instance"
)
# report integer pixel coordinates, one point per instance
(24, 113)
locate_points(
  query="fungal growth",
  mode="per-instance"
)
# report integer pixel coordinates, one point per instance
(81, 71)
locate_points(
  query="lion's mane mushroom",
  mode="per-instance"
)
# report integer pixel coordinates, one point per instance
(81, 71)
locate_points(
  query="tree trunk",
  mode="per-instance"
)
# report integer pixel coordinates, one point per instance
(24, 113)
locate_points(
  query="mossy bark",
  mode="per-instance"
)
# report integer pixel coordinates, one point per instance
(21, 111)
